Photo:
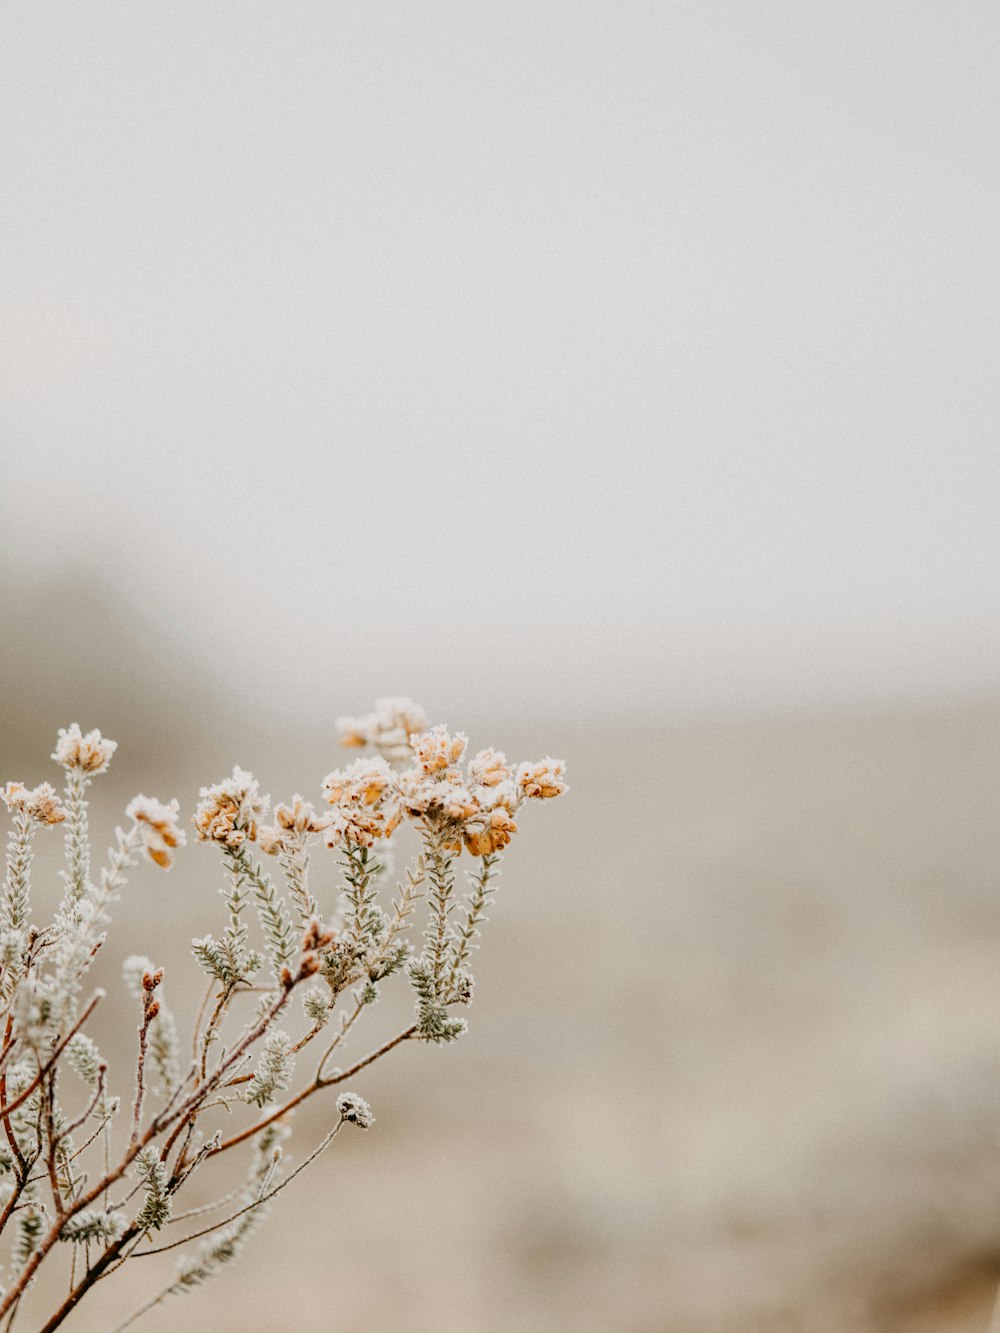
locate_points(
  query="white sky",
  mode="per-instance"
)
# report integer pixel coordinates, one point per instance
(579, 357)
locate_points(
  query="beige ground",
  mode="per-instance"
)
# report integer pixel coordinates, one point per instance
(735, 1053)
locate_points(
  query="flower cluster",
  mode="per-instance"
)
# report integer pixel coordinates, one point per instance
(365, 802)
(158, 828)
(41, 803)
(292, 824)
(334, 951)
(474, 807)
(388, 728)
(542, 780)
(228, 812)
(89, 754)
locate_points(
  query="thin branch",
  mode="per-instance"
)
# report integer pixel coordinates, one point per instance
(312, 1087)
(265, 1198)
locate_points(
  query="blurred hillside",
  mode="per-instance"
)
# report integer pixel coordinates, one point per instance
(734, 1059)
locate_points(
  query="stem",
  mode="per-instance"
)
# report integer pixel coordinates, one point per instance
(77, 838)
(309, 1089)
(264, 1198)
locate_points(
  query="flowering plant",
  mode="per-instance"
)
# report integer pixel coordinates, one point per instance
(96, 1175)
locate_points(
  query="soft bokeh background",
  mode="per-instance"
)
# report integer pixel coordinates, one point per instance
(619, 379)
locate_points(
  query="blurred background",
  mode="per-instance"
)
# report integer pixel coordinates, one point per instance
(620, 381)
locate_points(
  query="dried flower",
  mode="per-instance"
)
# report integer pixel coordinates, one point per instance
(542, 779)
(437, 749)
(388, 728)
(365, 800)
(158, 827)
(41, 803)
(488, 768)
(483, 837)
(269, 840)
(360, 826)
(88, 754)
(300, 817)
(229, 811)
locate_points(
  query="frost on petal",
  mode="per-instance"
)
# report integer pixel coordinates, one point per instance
(228, 812)
(158, 827)
(90, 753)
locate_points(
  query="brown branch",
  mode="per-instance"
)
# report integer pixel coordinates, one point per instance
(264, 1198)
(159, 1124)
(150, 1008)
(19, 1101)
(315, 1086)
(50, 1129)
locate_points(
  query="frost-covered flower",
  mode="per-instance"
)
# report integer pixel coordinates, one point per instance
(158, 828)
(365, 801)
(542, 779)
(359, 826)
(388, 728)
(300, 817)
(355, 1109)
(364, 782)
(489, 834)
(269, 840)
(40, 803)
(457, 802)
(421, 794)
(76, 752)
(229, 811)
(437, 749)
(488, 768)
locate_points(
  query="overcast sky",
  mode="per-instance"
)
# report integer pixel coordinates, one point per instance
(591, 357)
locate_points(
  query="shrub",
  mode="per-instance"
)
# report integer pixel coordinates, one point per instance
(100, 1172)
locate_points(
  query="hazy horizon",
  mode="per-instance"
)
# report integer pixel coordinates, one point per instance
(633, 359)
